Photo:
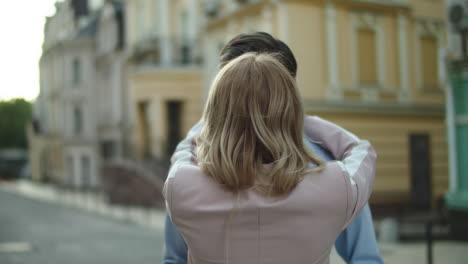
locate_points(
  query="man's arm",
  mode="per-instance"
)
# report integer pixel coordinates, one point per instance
(356, 157)
(357, 243)
(175, 249)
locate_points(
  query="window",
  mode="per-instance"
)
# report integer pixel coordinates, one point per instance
(366, 41)
(77, 120)
(140, 20)
(76, 71)
(71, 170)
(108, 149)
(145, 128)
(429, 65)
(184, 29)
(184, 24)
(86, 171)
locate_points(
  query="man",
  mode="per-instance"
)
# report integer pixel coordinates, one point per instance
(356, 244)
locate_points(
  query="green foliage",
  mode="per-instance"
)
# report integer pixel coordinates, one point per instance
(14, 116)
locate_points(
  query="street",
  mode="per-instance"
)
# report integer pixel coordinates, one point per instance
(38, 232)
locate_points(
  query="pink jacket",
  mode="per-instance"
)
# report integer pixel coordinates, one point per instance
(297, 228)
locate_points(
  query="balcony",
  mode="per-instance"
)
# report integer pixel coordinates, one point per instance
(146, 49)
(172, 51)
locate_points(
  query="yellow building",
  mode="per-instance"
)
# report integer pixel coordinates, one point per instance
(371, 66)
(164, 72)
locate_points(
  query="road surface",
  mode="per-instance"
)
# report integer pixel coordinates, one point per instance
(39, 232)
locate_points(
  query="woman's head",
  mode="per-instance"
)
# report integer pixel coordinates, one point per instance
(253, 116)
(259, 42)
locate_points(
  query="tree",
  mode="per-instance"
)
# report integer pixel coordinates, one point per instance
(14, 116)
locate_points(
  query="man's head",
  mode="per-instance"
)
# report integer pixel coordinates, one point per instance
(258, 42)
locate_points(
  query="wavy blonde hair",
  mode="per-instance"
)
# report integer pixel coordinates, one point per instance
(254, 115)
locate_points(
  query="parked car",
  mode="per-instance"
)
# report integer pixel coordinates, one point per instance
(13, 163)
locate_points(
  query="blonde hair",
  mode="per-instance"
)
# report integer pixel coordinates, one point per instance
(254, 115)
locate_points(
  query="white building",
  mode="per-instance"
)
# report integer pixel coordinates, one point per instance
(110, 62)
(79, 118)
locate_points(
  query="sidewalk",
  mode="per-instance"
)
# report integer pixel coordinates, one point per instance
(88, 201)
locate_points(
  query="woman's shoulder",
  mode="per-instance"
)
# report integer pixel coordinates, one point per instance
(184, 171)
(190, 187)
(191, 177)
(331, 174)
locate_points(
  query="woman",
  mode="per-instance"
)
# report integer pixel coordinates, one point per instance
(256, 194)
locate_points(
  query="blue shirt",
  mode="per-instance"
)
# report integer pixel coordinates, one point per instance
(356, 244)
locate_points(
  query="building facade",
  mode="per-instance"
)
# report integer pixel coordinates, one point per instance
(164, 72)
(79, 115)
(372, 67)
(111, 89)
(113, 121)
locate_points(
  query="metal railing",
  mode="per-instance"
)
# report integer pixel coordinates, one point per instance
(170, 51)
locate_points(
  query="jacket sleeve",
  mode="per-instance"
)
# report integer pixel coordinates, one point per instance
(167, 193)
(356, 158)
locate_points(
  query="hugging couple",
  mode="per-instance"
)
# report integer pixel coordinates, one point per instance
(258, 181)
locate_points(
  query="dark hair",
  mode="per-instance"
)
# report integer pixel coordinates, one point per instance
(258, 42)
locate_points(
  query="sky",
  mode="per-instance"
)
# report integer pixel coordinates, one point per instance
(22, 33)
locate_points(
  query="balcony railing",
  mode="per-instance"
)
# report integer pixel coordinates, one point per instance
(172, 51)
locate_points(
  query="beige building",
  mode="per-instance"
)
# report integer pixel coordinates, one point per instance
(164, 72)
(371, 66)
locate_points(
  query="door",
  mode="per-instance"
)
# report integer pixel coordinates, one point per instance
(173, 125)
(145, 128)
(420, 171)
